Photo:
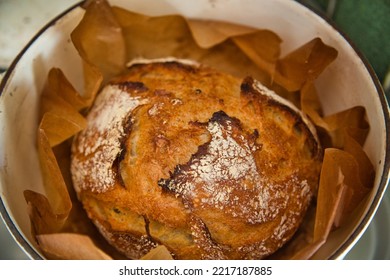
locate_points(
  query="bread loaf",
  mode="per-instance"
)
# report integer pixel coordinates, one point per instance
(207, 164)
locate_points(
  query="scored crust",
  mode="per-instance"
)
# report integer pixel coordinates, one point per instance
(209, 165)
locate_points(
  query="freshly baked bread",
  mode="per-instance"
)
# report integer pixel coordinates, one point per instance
(209, 165)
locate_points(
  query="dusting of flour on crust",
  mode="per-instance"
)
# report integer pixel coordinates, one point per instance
(223, 174)
(99, 143)
(264, 90)
(141, 60)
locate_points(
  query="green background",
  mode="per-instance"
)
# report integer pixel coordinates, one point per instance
(366, 23)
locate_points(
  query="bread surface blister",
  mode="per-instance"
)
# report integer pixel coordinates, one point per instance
(207, 164)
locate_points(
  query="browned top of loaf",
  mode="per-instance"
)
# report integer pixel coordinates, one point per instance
(190, 147)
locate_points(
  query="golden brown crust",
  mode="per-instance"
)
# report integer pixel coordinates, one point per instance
(208, 165)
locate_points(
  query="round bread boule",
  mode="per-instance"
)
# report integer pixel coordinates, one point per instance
(209, 165)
